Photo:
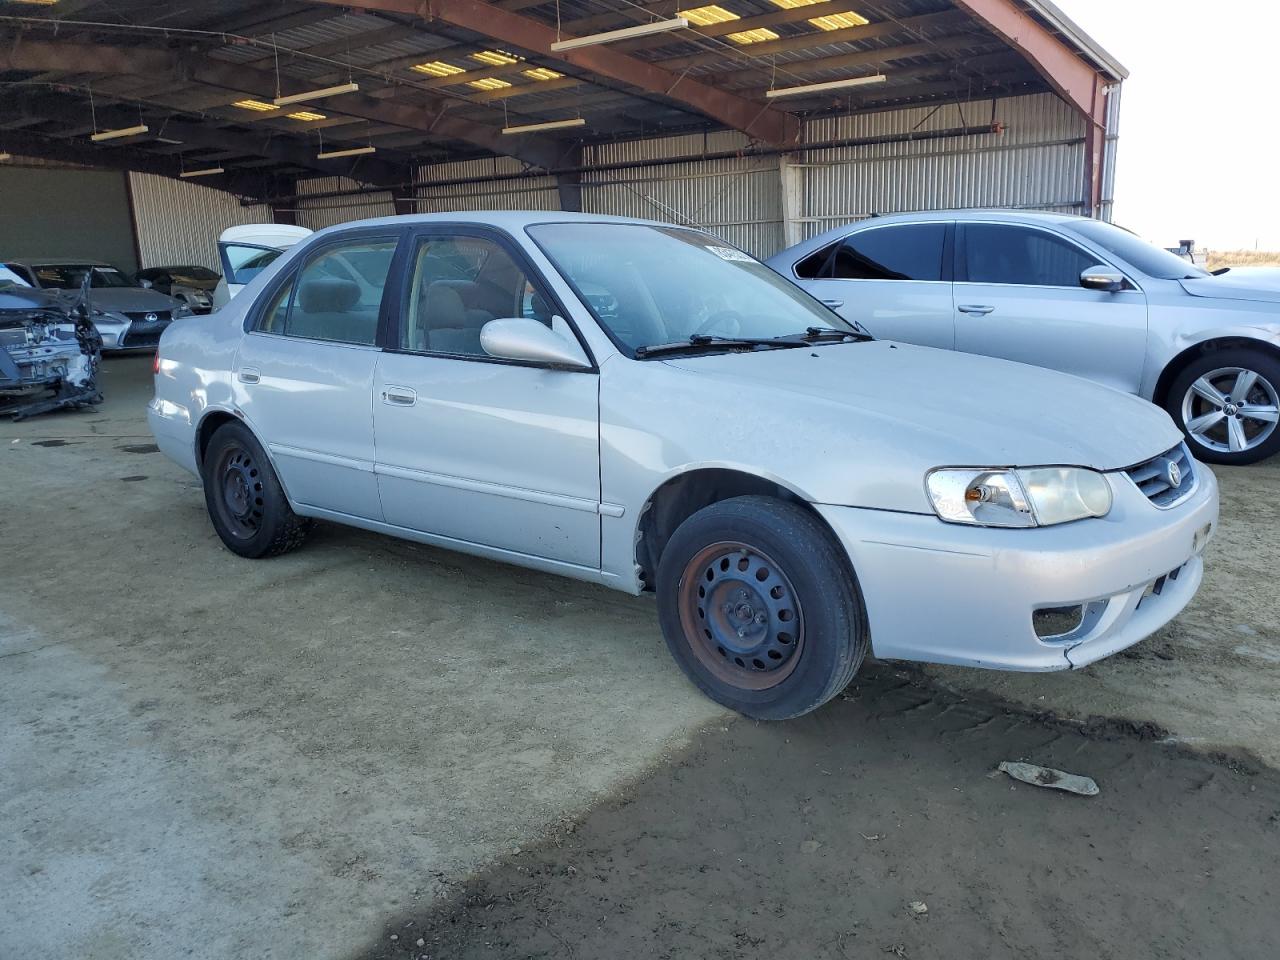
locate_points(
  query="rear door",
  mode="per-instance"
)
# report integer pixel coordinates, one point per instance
(893, 279)
(1018, 296)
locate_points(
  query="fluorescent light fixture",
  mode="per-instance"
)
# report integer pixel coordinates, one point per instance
(496, 58)
(167, 140)
(352, 152)
(542, 73)
(6, 156)
(792, 4)
(122, 132)
(488, 83)
(437, 68)
(549, 125)
(206, 172)
(823, 87)
(316, 94)
(37, 3)
(759, 35)
(626, 33)
(258, 106)
(705, 16)
(839, 21)
(307, 115)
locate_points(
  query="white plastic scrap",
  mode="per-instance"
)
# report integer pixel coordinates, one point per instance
(1048, 777)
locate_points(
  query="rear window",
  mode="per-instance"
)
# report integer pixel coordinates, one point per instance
(244, 262)
(908, 251)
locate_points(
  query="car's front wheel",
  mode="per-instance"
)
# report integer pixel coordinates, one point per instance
(760, 608)
(246, 503)
(1228, 404)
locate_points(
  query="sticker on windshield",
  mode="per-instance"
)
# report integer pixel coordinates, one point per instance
(728, 253)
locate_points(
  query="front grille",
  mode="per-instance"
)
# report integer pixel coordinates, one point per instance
(1154, 480)
(145, 337)
(148, 316)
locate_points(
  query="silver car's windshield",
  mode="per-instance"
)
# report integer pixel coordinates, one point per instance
(1147, 257)
(650, 285)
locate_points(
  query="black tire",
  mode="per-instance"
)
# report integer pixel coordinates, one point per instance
(246, 504)
(784, 662)
(1213, 446)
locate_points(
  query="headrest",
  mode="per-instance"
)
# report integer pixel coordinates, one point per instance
(328, 295)
(443, 306)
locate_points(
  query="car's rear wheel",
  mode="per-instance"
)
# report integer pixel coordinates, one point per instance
(760, 608)
(246, 503)
(1228, 404)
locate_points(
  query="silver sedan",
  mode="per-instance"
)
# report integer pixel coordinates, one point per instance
(1077, 295)
(648, 408)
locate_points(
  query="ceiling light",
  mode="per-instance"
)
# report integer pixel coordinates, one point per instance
(437, 68)
(257, 106)
(549, 125)
(122, 132)
(542, 73)
(488, 83)
(759, 35)
(206, 172)
(496, 58)
(316, 94)
(792, 4)
(307, 115)
(839, 21)
(167, 140)
(626, 33)
(6, 156)
(823, 87)
(37, 3)
(705, 16)
(352, 152)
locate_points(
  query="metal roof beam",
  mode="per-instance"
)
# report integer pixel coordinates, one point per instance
(753, 118)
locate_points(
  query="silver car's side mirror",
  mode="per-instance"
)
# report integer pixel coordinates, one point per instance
(519, 338)
(1102, 278)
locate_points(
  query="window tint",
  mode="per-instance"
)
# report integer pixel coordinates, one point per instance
(1000, 253)
(459, 284)
(911, 251)
(330, 301)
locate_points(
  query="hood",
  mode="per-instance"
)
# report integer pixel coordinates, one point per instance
(15, 299)
(925, 408)
(1246, 283)
(130, 299)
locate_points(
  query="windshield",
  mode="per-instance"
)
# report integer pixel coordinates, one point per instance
(10, 279)
(1144, 256)
(650, 285)
(244, 262)
(70, 276)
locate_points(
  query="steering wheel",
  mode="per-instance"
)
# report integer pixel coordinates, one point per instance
(720, 316)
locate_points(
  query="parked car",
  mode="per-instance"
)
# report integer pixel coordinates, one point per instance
(192, 284)
(49, 351)
(126, 315)
(1077, 295)
(247, 250)
(643, 406)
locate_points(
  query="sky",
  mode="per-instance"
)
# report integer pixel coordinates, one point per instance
(1199, 154)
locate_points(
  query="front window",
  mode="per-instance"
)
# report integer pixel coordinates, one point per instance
(1138, 253)
(650, 285)
(70, 276)
(1007, 254)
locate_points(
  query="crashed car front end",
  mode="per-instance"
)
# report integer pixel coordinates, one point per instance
(49, 356)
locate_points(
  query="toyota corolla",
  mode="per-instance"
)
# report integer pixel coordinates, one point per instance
(646, 407)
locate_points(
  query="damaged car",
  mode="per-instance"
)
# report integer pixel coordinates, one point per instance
(49, 350)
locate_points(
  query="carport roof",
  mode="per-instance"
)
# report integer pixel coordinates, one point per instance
(439, 81)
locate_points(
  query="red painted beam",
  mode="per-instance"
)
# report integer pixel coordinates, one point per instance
(751, 117)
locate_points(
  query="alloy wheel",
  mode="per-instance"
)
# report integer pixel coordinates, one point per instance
(1231, 410)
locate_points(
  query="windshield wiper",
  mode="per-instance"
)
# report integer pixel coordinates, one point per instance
(818, 334)
(703, 341)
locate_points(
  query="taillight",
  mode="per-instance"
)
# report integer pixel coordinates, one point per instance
(155, 365)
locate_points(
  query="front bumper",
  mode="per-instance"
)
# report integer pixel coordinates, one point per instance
(948, 593)
(123, 333)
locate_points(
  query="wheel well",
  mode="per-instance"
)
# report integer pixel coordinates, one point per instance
(1191, 354)
(208, 426)
(684, 495)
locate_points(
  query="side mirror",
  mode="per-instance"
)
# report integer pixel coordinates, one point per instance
(1102, 278)
(519, 338)
(147, 284)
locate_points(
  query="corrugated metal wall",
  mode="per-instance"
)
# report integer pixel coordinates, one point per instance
(529, 193)
(326, 211)
(178, 223)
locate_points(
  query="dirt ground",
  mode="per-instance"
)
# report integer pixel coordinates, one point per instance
(210, 757)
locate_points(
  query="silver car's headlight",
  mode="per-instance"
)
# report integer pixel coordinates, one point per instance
(1041, 496)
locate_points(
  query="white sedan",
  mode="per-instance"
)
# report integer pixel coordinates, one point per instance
(649, 408)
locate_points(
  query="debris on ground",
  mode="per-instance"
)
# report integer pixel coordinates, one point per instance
(809, 846)
(1039, 776)
(918, 907)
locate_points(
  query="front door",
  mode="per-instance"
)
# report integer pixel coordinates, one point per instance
(1018, 296)
(304, 374)
(472, 448)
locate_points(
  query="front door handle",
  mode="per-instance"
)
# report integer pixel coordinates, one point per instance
(834, 304)
(249, 375)
(976, 310)
(399, 396)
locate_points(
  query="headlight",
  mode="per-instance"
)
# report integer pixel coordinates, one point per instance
(1042, 496)
(183, 309)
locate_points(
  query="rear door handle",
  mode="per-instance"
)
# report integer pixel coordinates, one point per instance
(977, 310)
(399, 396)
(834, 304)
(249, 375)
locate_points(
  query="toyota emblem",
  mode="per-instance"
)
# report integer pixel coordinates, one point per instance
(1173, 473)
(151, 318)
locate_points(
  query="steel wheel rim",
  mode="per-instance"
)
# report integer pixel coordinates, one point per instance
(741, 616)
(1231, 410)
(238, 492)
